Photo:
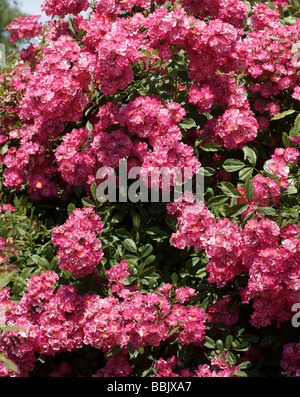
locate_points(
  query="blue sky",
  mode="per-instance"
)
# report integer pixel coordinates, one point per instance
(31, 7)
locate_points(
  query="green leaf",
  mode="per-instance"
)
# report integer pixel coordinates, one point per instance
(237, 209)
(4, 149)
(219, 345)
(72, 26)
(4, 232)
(283, 114)
(210, 147)
(243, 346)
(209, 342)
(174, 278)
(229, 190)
(149, 260)
(217, 200)
(245, 365)
(250, 155)
(87, 202)
(146, 52)
(249, 190)
(245, 173)
(285, 140)
(290, 20)
(188, 123)
(21, 231)
(89, 126)
(81, 33)
(113, 351)
(231, 358)
(94, 191)
(173, 331)
(208, 171)
(71, 208)
(268, 211)
(146, 250)
(231, 165)
(146, 270)
(157, 64)
(274, 37)
(117, 217)
(129, 245)
(295, 130)
(6, 327)
(136, 220)
(8, 363)
(129, 280)
(228, 341)
(239, 373)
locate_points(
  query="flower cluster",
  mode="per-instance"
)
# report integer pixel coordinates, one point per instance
(211, 47)
(56, 88)
(233, 11)
(271, 61)
(53, 320)
(62, 8)
(218, 368)
(167, 86)
(268, 254)
(46, 322)
(79, 247)
(264, 17)
(25, 28)
(141, 319)
(290, 360)
(278, 163)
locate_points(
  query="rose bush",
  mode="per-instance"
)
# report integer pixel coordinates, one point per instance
(180, 288)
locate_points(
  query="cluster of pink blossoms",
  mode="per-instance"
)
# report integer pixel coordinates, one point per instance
(141, 320)
(278, 163)
(61, 8)
(268, 254)
(149, 136)
(47, 321)
(290, 360)
(7, 207)
(214, 46)
(56, 88)
(56, 320)
(116, 52)
(218, 368)
(238, 124)
(32, 161)
(263, 17)
(25, 28)
(233, 11)
(79, 247)
(271, 61)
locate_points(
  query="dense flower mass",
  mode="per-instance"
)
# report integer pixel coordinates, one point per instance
(256, 250)
(62, 8)
(79, 248)
(58, 320)
(187, 288)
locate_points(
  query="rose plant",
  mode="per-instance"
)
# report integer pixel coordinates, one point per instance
(186, 288)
